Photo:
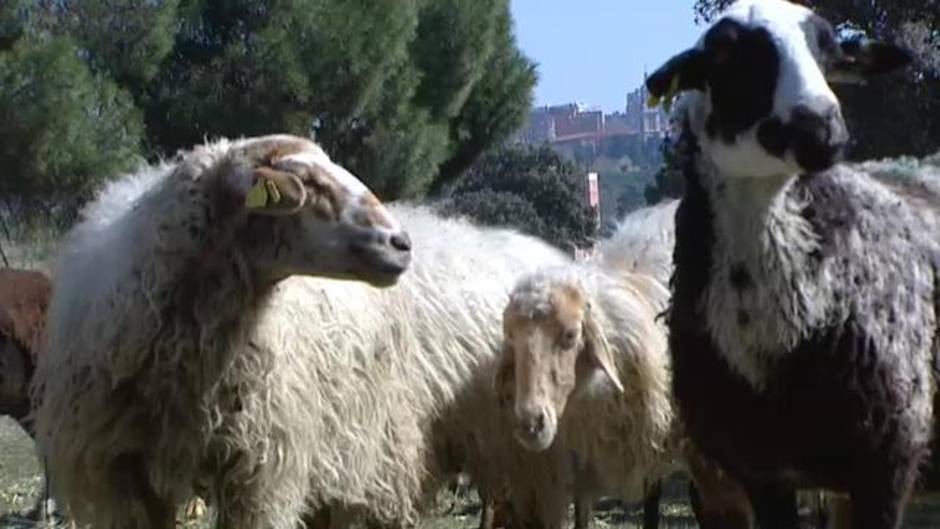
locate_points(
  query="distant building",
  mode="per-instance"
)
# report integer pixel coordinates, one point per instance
(576, 124)
(650, 122)
(619, 123)
(539, 127)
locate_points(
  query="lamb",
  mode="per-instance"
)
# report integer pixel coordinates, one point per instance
(175, 349)
(569, 310)
(585, 370)
(804, 310)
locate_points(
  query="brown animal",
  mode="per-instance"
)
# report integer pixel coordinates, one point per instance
(24, 299)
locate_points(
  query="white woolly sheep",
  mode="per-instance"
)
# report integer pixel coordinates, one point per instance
(175, 355)
(642, 242)
(585, 370)
(402, 377)
(804, 311)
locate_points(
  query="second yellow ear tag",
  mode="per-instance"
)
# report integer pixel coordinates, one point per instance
(273, 191)
(671, 94)
(257, 196)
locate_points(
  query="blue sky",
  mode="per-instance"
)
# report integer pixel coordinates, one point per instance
(594, 51)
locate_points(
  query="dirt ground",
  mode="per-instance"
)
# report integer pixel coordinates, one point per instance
(21, 484)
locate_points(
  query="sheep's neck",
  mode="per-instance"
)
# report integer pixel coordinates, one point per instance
(212, 308)
(744, 210)
(762, 247)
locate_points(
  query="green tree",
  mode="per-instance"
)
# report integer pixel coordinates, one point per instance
(496, 106)
(499, 208)
(64, 130)
(667, 182)
(403, 93)
(127, 39)
(533, 189)
(897, 114)
(11, 24)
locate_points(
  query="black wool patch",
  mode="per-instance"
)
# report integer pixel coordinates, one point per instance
(743, 68)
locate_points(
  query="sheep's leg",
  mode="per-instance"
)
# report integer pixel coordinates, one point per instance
(651, 505)
(130, 477)
(822, 513)
(320, 519)
(717, 516)
(582, 511)
(878, 501)
(840, 516)
(775, 506)
(695, 500)
(487, 516)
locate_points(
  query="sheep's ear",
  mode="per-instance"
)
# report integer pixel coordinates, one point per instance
(274, 192)
(597, 350)
(505, 377)
(685, 71)
(863, 58)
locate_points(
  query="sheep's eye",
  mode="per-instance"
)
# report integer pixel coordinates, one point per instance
(826, 42)
(570, 336)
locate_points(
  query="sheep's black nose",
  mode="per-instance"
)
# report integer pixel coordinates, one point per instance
(818, 135)
(401, 241)
(536, 423)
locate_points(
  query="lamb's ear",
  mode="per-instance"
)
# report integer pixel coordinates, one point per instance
(597, 350)
(274, 192)
(685, 71)
(505, 377)
(863, 58)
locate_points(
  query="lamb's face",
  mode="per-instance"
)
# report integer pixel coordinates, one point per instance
(308, 216)
(760, 104)
(551, 349)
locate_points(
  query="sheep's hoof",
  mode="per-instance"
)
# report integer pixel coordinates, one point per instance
(196, 508)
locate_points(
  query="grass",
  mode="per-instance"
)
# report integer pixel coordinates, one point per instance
(29, 245)
(21, 485)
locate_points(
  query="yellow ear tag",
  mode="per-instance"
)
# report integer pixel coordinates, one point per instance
(257, 196)
(273, 191)
(671, 94)
(652, 101)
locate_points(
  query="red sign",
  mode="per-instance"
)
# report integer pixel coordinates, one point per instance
(593, 191)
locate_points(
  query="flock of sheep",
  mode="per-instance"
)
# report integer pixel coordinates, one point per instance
(247, 323)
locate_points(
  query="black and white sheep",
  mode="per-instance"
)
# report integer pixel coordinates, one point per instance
(804, 309)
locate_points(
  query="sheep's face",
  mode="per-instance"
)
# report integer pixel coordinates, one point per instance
(551, 348)
(759, 102)
(306, 215)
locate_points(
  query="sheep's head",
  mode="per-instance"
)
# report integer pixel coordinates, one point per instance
(552, 346)
(305, 215)
(759, 102)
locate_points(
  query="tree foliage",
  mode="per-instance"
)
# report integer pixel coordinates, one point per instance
(64, 128)
(897, 114)
(668, 181)
(127, 39)
(532, 189)
(391, 89)
(406, 94)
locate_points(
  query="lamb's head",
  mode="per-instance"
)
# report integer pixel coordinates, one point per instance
(759, 103)
(302, 214)
(552, 346)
